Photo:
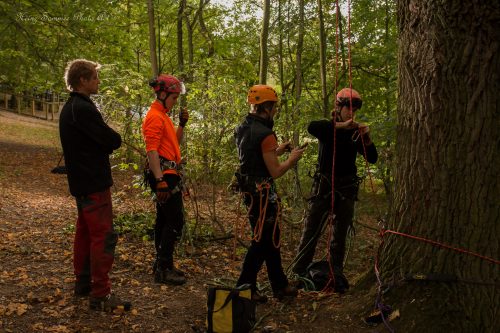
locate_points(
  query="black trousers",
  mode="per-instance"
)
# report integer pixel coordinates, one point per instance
(264, 250)
(318, 211)
(169, 225)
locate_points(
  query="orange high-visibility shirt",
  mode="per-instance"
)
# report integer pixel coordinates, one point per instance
(160, 134)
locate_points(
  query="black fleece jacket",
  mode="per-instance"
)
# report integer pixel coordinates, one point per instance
(346, 149)
(87, 142)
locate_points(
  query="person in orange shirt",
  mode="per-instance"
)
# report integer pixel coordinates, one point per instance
(164, 158)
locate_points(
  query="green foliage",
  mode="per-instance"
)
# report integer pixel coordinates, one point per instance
(39, 37)
(139, 224)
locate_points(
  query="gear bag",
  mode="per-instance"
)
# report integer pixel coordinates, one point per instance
(230, 309)
(319, 274)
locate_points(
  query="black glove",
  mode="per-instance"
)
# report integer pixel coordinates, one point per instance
(162, 191)
(183, 117)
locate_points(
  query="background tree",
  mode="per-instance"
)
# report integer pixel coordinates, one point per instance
(152, 39)
(221, 52)
(446, 185)
(264, 34)
(322, 60)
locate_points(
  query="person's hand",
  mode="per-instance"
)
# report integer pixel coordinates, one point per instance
(364, 131)
(296, 154)
(349, 124)
(162, 191)
(183, 117)
(282, 148)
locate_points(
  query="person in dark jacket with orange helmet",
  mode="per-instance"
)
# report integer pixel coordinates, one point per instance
(342, 138)
(87, 142)
(258, 152)
(164, 159)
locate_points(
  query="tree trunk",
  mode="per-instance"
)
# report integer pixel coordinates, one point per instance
(180, 50)
(388, 146)
(447, 157)
(152, 38)
(189, 29)
(340, 52)
(263, 42)
(281, 67)
(322, 60)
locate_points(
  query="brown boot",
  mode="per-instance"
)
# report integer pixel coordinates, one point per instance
(169, 276)
(109, 303)
(288, 291)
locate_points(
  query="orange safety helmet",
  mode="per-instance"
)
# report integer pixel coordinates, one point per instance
(344, 98)
(261, 93)
(167, 83)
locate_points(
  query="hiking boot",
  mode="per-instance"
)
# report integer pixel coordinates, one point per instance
(109, 303)
(258, 297)
(288, 291)
(341, 284)
(178, 272)
(82, 289)
(169, 276)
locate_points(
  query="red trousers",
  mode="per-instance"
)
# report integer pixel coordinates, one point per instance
(95, 242)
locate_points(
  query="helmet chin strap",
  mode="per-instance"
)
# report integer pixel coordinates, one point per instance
(163, 101)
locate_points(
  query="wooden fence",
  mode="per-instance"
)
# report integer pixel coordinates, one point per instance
(44, 106)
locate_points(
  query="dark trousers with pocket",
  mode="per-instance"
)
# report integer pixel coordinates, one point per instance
(169, 225)
(264, 250)
(95, 242)
(318, 211)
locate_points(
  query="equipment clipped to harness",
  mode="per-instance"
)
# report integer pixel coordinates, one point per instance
(230, 309)
(149, 178)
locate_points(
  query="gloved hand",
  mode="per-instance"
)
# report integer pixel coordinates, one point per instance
(183, 117)
(162, 191)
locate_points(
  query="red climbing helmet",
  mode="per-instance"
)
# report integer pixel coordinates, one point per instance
(344, 98)
(167, 83)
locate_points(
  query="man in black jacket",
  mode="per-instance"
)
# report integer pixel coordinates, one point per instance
(87, 142)
(351, 138)
(258, 152)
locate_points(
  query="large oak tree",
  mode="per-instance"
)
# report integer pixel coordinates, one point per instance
(446, 177)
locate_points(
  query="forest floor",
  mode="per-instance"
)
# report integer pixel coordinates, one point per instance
(37, 216)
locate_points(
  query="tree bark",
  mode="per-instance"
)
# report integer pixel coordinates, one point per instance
(298, 91)
(180, 50)
(263, 42)
(322, 60)
(152, 39)
(447, 157)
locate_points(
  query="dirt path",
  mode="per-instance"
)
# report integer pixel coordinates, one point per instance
(36, 278)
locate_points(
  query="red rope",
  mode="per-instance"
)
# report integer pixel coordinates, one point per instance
(331, 219)
(449, 247)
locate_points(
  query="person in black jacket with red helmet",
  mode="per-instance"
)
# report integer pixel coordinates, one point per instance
(87, 142)
(351, 138)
